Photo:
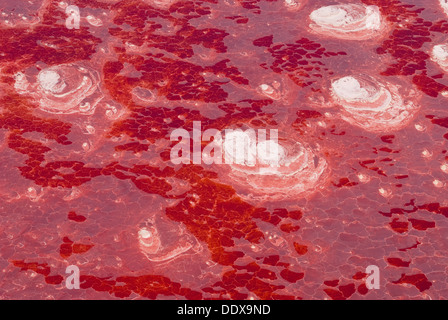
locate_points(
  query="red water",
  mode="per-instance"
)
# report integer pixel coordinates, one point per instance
(79, 181)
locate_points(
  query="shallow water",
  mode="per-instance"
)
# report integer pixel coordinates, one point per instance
(85, 157)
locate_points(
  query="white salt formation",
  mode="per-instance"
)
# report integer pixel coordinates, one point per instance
(439, 55)
(149, 240)
(294, 5)
(151, 245)
(348, 21)
(270, 153)
(51, 81)
(349, 89)
(62, 89)
(373, 106)
(282, 170)
(273, 92)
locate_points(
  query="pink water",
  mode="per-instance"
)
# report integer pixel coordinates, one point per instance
(82, 173)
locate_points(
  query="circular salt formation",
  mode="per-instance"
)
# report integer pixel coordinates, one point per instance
(270, 153)
(96, 22)
(350, 89)
(62, 89)
(51, 81)
(294, 5)
(143, 95)
(373, 106)
(278, 89)
(149, 240)
(151, 245)
(271, 92)
(348, 21)
(277, 170)
(439, 55)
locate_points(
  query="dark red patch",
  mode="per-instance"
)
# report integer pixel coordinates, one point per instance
(422, 224)
(300, 249)
(397, 262)
(75, 217)
(420, 281)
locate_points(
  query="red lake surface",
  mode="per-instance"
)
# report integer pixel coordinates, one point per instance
(357, 91)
